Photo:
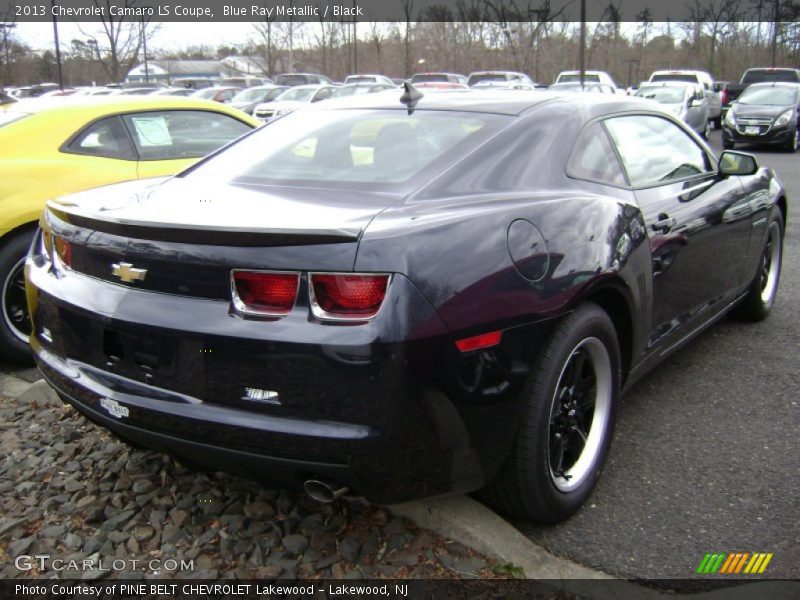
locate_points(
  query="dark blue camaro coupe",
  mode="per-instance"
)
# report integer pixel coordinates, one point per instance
(404, 297)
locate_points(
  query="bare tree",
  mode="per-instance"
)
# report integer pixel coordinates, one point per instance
(123, 38)
(715, 18)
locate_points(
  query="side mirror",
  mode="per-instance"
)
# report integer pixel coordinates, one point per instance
(737, 163)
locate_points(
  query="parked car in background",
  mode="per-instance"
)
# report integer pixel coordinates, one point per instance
(295, 79)
(174, 91)
(764, 114)
(438, 78)
(195, 83)
(758, 75)
(62, 145)
(33, 91)
(589, 76)
(94, 91)
(368, 79)
(292, 99)
(700, 78)
(499, 76)
(405, 303)
(356, 89)
(221, 94)
(440, 85)
(247, 100)
(244, 82)
(684, 100)
(591, 88)
(499, 85)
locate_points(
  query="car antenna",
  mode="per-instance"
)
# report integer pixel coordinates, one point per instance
(410, 97)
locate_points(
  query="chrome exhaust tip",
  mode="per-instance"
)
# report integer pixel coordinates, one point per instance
(324, 491)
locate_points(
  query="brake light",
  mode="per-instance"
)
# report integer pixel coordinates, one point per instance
(46, 247)
(724, 96)
(264, 293)
(347, 296)
(63, 250)
(479, 342)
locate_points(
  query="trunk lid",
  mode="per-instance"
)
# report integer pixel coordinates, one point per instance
(188, 238)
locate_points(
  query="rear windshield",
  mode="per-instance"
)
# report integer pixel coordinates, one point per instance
(676, 77)
(372, 149)
(576, 77)
(761, 76)
(473, 79)
(291, 80)
(430, 78)
(10, 116)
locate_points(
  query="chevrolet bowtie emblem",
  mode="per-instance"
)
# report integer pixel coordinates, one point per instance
(127, 272)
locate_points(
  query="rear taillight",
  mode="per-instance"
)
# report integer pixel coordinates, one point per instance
(347, 296)
(263, 292)
(723, 97)
(46, 247)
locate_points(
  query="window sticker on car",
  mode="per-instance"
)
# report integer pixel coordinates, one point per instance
(152, 131)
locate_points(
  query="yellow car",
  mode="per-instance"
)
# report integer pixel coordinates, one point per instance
(61, 145)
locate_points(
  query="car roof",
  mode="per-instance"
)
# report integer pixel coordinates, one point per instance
(102, 105)
(484, 101)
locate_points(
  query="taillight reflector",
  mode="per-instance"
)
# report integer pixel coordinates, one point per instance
(265, 293)
(347, 296)
(479, 342)
(63, 250)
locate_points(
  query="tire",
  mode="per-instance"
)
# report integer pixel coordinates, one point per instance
(727, 144)
(718, 123)
(706, 130)
(791, 145)
(534, 483)
(15, 324)
(760, 297)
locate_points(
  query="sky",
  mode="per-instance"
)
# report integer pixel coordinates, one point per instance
(169, 37)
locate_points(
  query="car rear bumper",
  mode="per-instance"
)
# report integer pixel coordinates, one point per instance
(391, 411)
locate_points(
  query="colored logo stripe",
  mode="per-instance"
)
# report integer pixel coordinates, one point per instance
(734, 563)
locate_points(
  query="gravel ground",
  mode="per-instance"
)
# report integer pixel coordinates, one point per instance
(71, 491)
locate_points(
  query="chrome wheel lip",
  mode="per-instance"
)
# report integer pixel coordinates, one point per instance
(769, 287)
(587, 462)
(17, 270)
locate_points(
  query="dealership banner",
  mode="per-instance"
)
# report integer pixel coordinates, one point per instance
(393, 10)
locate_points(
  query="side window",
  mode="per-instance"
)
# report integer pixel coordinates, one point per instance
(106, 138)
(594, 159)
(322, 94)
(656, 151)
(176, 134)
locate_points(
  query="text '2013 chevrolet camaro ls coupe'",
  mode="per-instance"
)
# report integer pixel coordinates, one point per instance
(404, 297)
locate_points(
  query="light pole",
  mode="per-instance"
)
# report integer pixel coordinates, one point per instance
(144, 48)
(92, 43)
(582, 53)
(58, 46)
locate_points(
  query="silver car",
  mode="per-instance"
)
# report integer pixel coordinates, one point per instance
(685, 100)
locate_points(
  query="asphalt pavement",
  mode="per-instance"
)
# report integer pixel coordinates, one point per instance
(705, 456)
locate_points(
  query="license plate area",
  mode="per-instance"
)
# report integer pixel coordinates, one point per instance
(137, 356)
(752, 130)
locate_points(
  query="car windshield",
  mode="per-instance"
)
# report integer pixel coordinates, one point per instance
(361, 79)
(298, 94)
(251, 95)
(664, 95)
(768, 96)
(9, 116)
(374, 148)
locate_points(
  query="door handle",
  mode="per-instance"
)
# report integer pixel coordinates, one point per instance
(664, 224)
